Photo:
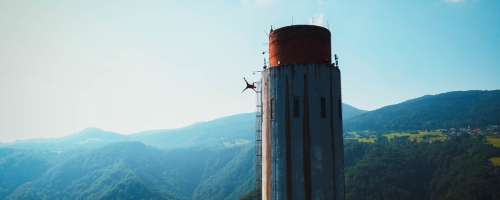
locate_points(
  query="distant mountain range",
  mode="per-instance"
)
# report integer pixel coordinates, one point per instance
(118, 168)
(207, 160)
(349, 111)
(459, 109)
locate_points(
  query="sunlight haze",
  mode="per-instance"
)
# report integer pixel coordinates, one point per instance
(131, 66)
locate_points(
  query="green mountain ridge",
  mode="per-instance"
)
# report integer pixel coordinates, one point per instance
(349, 111)
(457, 109)
(207, 160)
(132, 170)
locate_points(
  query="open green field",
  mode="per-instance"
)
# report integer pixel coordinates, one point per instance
(362, 137)
(369, 140)
(494, 140)
(495, 161)
(419, 137)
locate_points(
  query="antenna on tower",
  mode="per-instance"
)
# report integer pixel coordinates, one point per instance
(267, 33)
(336, 60)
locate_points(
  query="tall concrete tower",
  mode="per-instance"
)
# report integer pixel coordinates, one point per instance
(302, 147)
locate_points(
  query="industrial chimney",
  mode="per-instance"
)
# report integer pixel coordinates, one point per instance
(302, 147)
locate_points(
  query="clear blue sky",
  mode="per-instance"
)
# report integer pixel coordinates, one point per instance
(128, 66)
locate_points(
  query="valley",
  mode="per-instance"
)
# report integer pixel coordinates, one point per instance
(215, 159)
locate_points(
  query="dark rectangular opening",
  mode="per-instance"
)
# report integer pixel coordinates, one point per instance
(296, 106)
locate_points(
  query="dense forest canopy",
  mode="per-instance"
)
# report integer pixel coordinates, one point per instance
(458, 168)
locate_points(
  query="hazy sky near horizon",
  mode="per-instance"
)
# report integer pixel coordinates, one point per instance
(129, 66)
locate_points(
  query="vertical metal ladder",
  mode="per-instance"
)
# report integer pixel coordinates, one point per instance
(258, 143)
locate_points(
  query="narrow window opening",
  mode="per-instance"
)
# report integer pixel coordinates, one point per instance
(296, 106)
(323, 107)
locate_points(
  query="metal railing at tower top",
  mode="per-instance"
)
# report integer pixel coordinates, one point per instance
(258, 142)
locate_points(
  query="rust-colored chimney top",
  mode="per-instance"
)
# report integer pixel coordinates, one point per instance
(300, 44)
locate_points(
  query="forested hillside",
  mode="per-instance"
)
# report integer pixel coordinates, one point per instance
(457, 169)
(448, 110)
(128, 170)
(349, 111)
(215, 160)
(196, 162)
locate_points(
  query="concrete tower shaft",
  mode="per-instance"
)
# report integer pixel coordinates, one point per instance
(302, 146)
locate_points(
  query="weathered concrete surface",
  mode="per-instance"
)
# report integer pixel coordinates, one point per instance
(302, 133)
